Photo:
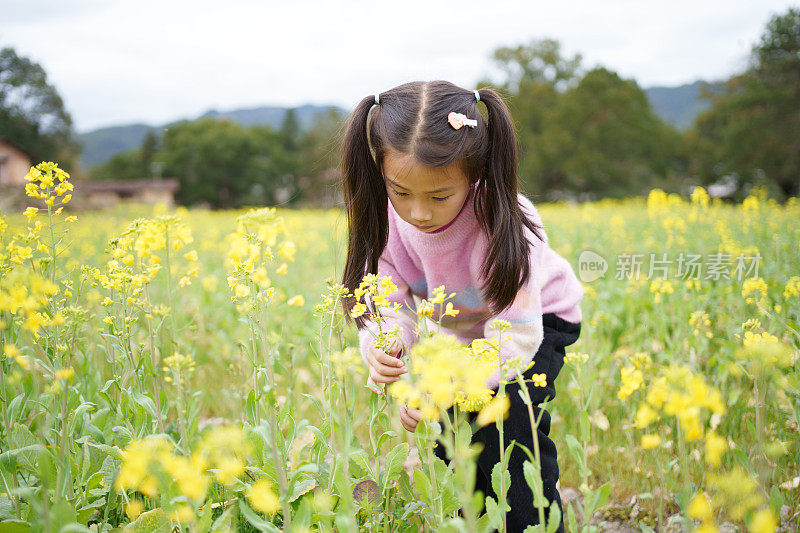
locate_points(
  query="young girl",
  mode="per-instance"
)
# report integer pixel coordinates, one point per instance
(432, 199)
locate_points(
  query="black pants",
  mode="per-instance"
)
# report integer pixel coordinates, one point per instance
(549, 359)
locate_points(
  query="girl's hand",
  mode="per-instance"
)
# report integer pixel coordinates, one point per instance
(410, 418)
(385, 367)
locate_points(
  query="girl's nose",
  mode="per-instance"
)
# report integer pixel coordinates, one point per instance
(420, 214)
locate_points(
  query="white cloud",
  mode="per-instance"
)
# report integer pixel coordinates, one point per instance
(156, 61)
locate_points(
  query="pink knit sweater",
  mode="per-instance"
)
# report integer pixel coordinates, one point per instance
(418, 262)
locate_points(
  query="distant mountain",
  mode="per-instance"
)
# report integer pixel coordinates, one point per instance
(99, 145)
(676, 105)
(272, 116)
(680, 105)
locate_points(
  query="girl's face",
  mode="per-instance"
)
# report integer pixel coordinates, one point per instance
(427, 197)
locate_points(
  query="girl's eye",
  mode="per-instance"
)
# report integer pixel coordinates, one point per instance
(399, 193)
(442, 199)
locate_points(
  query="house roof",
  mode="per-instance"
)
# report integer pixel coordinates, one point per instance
(15, 146)
(127, 186)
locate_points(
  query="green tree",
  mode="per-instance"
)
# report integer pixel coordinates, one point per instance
(534, 75)
(537, 61)
(752, 129)
(290, 130)
(608, 141)
(583, 134)
(130, 164)
(125, 165)
(318, 157)
(225, 165)
(148, 152)
(32, 113)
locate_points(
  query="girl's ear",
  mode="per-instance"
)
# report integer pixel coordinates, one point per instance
(365, 202)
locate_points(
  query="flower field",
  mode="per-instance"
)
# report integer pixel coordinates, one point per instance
(191, 370)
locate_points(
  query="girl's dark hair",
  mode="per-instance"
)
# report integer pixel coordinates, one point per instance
(412, 119)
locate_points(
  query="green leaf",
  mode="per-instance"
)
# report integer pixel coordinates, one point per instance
(109, 470)
(26, 445)
(14, 526)
(572, 521)
(223, 523)
(360, 459)
(533, 476)
(422, 485)
(497, 471)
(576, 451)
(384, 436)
(155, 521)
(302, 486)
(47, 467)
(584, 426)
(394, 462)
(8, 461)
(598, 498)
(88, 510)
(554, 517)
(776, 499)
(494, 512)
(250, 407)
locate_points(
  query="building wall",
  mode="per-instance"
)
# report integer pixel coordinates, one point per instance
(14, 165)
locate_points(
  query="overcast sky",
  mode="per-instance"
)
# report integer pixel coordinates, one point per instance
(153, 61)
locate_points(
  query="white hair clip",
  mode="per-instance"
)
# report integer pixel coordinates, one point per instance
(460, 119)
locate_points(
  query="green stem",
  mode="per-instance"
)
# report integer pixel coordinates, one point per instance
(534, 434)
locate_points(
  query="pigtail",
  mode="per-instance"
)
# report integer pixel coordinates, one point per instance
(507, 265)
(365, 202)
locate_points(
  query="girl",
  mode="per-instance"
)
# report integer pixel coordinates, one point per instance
(432, 199)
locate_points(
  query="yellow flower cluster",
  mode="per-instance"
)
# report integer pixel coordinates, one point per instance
(250, 249)
(764, 353)
(22, 294)
(700, 197)
(632, 375)
(151, 466)
(379, 288)
(702, 324)
(680, 393)
(262, 497)
(446, 372)
(792, 289)
(494, 410)
(227, 448)
(347, 362)
(48, 182)
(753, 288)
(739, 494)
(576, 357)
(179, 366)
(661, 286)
(659, 203)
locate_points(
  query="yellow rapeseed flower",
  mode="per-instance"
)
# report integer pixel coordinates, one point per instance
(262, 497)
(700, 507)
(792, 288)
(133, 509)
(650, 441)
(494, 410)
(763, 522)
(65, 373)
(296, 301)
(631, 381)
(715, 446)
